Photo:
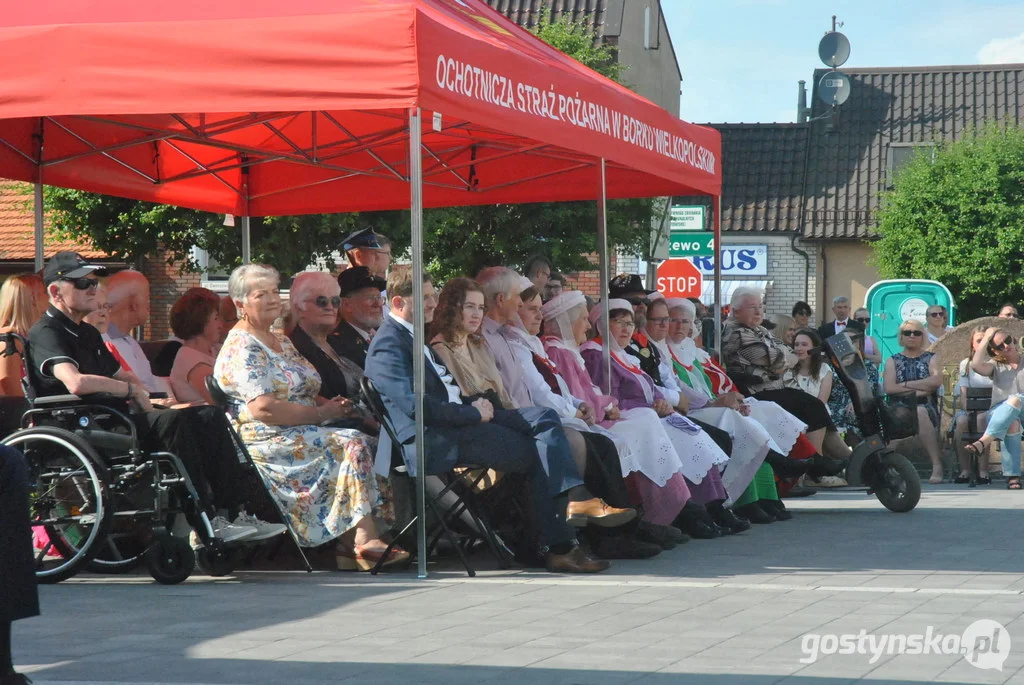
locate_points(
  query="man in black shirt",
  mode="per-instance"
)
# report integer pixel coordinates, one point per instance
(68, 356)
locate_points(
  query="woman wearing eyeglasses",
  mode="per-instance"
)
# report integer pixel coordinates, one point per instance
(872, 350)
(997, 356)
(916, 370)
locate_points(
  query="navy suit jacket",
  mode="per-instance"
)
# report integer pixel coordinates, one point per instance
(389, 364)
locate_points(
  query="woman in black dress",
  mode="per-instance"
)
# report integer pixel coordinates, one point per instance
(18, 595)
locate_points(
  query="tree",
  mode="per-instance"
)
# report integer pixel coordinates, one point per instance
(458, 240)
(958, 218)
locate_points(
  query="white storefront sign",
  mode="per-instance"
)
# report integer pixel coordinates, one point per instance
(737, 260)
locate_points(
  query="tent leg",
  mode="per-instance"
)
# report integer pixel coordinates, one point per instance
(419, 326)
(246, 245)
(39, 221)
(603, 266)
(718, 275)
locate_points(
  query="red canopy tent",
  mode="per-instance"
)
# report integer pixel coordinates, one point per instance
(258, 107)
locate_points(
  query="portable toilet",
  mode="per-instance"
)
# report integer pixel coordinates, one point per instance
(893, 302)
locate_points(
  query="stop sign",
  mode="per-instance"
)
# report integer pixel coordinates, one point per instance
(679, 278)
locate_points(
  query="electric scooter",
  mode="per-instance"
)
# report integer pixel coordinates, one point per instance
(887, 474)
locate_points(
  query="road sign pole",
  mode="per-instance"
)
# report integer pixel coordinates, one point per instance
(718, 275)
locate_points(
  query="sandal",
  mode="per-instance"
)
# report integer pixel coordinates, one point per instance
(976, 448)
(984, 480)
(962, 479)
(1013, 483)
(362, 559)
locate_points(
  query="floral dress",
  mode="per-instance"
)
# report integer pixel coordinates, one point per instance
(322, 477)
(914, 369)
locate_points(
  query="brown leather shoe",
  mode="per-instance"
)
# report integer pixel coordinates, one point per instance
(575, 561)
(595, 510)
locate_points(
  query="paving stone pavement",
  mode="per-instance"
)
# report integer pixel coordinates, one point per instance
(742, 610)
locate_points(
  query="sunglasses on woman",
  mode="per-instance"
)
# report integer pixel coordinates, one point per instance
(325, 302)
(912, 333)
(1008, 340)
(82, 283)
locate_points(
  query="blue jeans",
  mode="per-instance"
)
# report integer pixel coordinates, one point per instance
(1001, 417)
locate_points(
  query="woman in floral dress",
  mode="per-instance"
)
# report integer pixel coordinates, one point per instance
(322, 477)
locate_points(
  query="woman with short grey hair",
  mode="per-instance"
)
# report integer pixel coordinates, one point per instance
(322, 476)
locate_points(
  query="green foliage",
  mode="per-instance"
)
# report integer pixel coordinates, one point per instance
(458, 240)
(959, 219)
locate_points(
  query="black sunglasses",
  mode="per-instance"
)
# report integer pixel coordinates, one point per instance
(1008, 340)
(323, 301)
(912, 332)
(936, 314)
(863, 319)
(83, 283)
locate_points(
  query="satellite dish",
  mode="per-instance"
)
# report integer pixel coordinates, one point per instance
(834, 49)
(834, 88)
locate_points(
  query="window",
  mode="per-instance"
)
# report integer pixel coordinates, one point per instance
(900, 154)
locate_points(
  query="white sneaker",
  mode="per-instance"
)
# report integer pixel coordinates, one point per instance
(230, 532)
(826, 482)
(263, 529)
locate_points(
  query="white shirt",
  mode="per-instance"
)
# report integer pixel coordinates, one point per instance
(131, 351)
(364, 334)
(932, 338)
(533, 387)
(454, 395)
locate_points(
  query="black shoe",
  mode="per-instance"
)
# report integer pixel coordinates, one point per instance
(725, 518)
(801, 491)
(656, 535)
(625, 547)
(701, 530)
(755, 514)
(819, 465)
(784, 467)
(775, 508)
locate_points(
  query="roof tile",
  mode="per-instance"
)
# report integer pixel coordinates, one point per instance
(528, 13)
(17, 242)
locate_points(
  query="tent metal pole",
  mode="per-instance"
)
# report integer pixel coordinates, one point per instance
(38, 208)
(603, 258)
(246, 247)
(718, 275)
(419, 326)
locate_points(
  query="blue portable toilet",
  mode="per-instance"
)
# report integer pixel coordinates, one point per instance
(893, 302)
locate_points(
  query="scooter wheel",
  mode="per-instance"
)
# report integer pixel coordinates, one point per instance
(899, 485)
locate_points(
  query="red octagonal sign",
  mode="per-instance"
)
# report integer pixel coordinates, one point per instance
(679, 278)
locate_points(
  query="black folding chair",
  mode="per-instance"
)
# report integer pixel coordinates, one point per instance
(976, 401)
(447, 505)
(220, 399)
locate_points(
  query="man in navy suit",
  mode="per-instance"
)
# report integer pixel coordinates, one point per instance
(529, 441)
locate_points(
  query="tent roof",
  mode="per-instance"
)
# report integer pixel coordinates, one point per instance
(262, 107)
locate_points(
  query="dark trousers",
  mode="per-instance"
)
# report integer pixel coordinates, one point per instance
(800, 404)
(18, 595)
(169, 430)
(221, 464)
(530, 441)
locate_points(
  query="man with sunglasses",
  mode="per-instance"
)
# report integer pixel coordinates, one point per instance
(68, 356)
(361, 312)
(938, 321)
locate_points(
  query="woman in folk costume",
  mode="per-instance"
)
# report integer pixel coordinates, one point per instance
(651, 465)
(750, 441)
(788, 431)
(698, 454)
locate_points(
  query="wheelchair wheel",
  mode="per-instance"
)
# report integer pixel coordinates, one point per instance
(69, 499)
(170, 560)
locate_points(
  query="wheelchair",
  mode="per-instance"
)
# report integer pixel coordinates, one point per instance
(97, 500)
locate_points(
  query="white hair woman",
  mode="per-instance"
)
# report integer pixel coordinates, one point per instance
(759, 503)
(315, 298)
(322, 476)
(664, 493)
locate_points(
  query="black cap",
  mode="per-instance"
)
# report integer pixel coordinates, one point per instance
(624, 284)
(358, 277)
(364, 237)
(69, 265)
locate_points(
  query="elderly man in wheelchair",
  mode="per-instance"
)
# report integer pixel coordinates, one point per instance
(95, 441)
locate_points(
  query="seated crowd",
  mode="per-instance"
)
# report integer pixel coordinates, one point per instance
(618, 457)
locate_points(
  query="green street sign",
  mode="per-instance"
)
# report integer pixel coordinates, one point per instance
(691, 244)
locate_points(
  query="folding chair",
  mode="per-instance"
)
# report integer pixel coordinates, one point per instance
(447, 504)
(976, 401)
(220, 399)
